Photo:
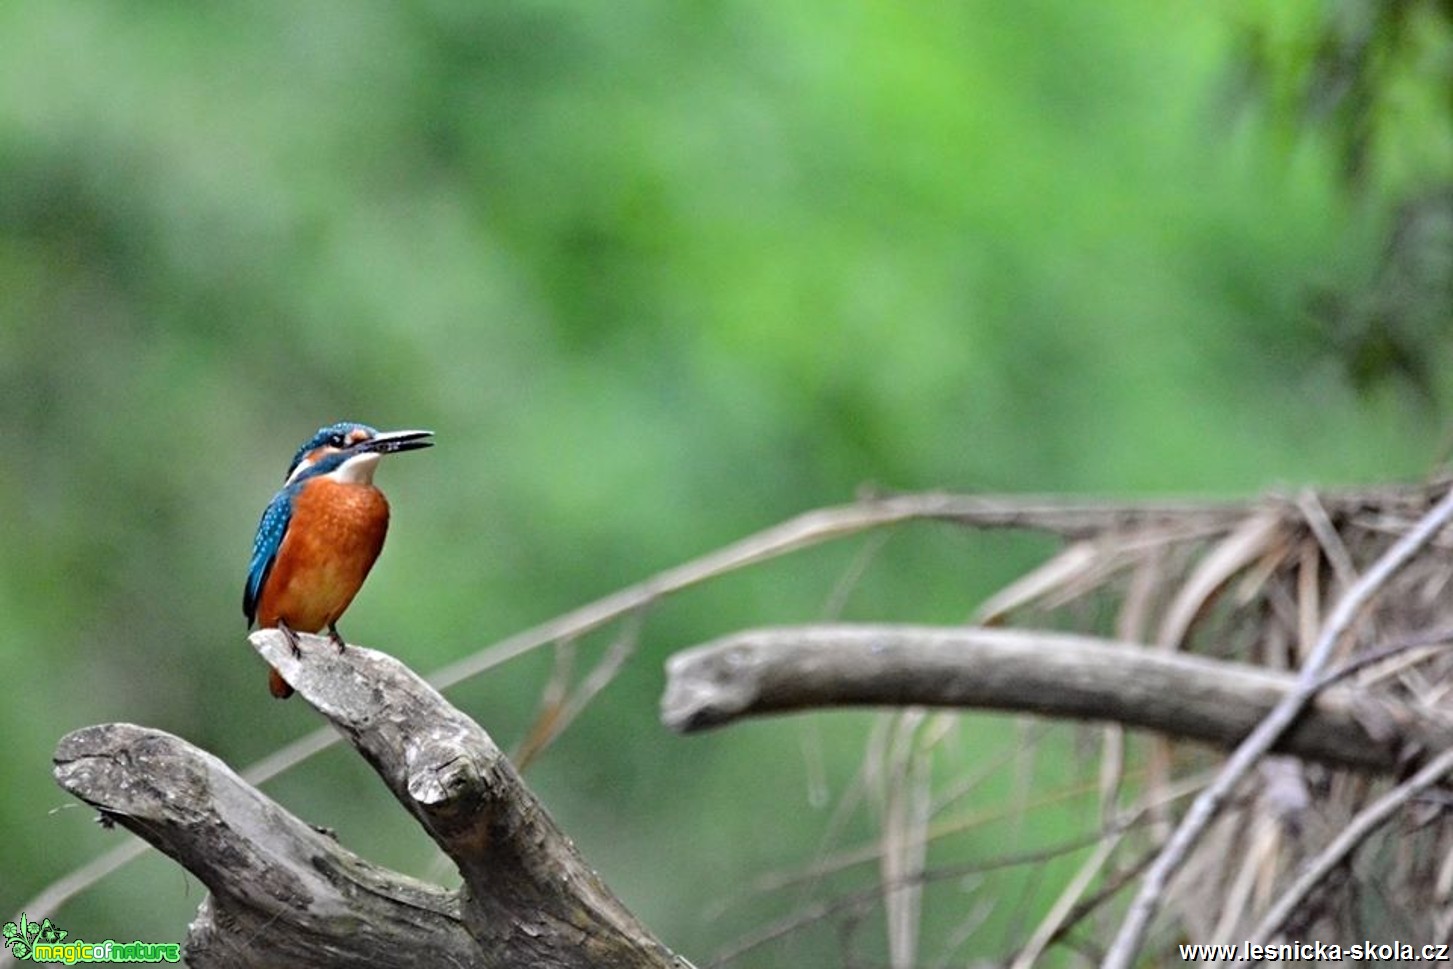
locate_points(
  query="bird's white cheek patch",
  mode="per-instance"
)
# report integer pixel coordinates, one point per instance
(308, 461)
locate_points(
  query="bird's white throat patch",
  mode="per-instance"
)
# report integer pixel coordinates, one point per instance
(357, 469)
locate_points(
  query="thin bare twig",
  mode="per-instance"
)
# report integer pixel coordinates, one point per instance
(557, 716)
(1112, 887)
(1065, 904)
(1309, 681)
(1429, 640)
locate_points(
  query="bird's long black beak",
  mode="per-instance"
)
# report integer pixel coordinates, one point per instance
(392, 442)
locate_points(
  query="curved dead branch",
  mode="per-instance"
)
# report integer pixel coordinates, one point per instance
(785, 669)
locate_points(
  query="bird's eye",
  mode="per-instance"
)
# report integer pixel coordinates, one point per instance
(336, 441)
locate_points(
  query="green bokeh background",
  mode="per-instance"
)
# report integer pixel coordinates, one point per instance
(658, 275)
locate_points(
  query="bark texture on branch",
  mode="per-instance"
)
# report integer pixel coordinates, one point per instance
(785, 669)
(282, 893)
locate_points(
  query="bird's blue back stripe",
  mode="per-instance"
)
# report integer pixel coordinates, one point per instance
(270, 532)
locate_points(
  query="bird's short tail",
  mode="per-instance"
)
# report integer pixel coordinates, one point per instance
(277, 685)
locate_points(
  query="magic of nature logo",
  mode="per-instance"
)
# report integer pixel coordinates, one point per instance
(43, 941)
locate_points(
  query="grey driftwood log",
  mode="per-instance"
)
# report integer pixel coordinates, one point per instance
(284, 894)
(794, 668)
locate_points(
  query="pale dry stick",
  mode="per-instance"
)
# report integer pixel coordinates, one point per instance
(1242, 547)
(1114, 885)
(904, 837)
(1130, 625)
(1261, 842)
(962, 932)
(1309, 681)
(552, 698)
(1066, 565)
(1326, 535)
(1308, 605)
(1443, 885)
(550, 727)
(1086, 566)
(1368, 820)
(1066, 902)
(1443, 924)
(1259, 575)
(852, 576)
(898, 903)
(1435, 696)
(802, 531)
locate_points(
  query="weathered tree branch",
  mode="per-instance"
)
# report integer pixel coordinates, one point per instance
(284, 894)
(783, 669)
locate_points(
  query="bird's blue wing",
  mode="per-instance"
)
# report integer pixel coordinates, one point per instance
(270, 532)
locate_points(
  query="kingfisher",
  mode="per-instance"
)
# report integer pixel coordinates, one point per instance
(321, 534)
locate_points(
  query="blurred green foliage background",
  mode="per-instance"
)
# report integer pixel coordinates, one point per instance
(658, 274)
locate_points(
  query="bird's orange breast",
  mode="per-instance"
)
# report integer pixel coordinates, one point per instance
(333, 538)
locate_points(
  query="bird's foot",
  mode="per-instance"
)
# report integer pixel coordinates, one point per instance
(337, 637)
(291, 637)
